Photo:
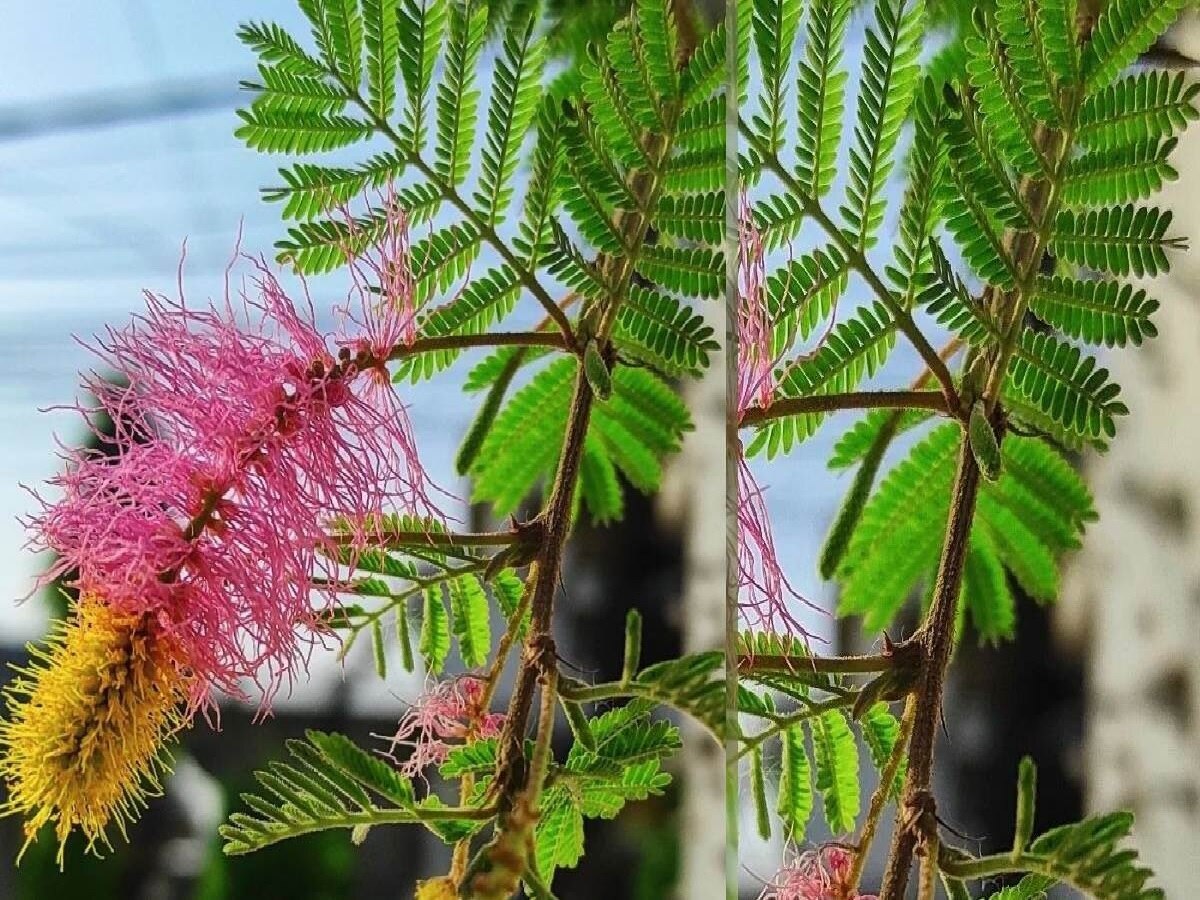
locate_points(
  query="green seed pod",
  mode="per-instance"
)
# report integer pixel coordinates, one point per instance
(596, 370)
(983, 443)
(1026, 800)
(633, 645)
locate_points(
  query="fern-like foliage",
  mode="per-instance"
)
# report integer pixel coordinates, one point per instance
(494, 162)
(1038, 160)
(622, 764)
(803, 294)
(1027, 208)
(1034, 512)
(330, 782)
(423, 597)
(589, 196)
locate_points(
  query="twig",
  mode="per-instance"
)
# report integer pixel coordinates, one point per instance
(795, 665)
(792, 406)
(1042, 199)
(487, 339)
(393, 538)
(879, 799)
(936, 638)
(538, 657)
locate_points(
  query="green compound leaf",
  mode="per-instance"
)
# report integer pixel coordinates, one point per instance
(835, 755)
(329, 782)
(795, 799)
(434, 644)
(471, 614)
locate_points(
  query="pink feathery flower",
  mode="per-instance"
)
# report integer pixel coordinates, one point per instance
(448, 714)
(764, 593)
(386, 265)
(242, 432)
(821, 874)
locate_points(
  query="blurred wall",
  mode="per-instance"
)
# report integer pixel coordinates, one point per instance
(1132, 597)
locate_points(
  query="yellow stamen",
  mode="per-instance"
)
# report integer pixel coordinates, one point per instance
(442, 888)
(82, 744)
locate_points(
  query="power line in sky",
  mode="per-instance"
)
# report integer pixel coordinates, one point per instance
(169, 98)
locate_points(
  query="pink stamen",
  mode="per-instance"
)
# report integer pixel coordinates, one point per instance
(448, 714)
(765, 596)
(821, 874)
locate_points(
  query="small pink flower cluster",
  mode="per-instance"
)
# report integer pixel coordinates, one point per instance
(756, 361)
(764, 594)
(821, 874)
(242, 431)
(451, 710)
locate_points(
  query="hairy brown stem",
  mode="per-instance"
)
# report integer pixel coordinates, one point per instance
(792, 406)
(936, 635)
(936, 638)
(829, 664)
(538, 651)
(487, 339)
(538, 658)
(1041, 198)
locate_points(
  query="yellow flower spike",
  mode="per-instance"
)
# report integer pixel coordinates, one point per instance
(437, 889)
(82, 744)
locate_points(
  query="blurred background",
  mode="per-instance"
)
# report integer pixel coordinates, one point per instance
(116, 145)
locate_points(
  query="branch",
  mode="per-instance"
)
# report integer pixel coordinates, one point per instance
(538, 659)
(489, 339)
(1042, 199)
(393, 538)
(936, 638)
(512, 772)
(797, 665)
(963, 867)
(820, 403)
